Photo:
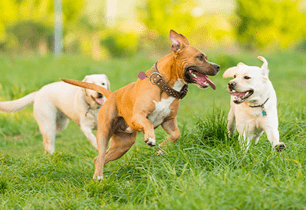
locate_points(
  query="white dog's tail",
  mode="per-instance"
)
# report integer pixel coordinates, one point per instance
(17, 105)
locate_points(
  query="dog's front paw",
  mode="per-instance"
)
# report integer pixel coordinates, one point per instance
(99, 178)
(280, 147)
(150, 141)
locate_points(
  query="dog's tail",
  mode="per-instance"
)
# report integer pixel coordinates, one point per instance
(90, 86)
(17, 105)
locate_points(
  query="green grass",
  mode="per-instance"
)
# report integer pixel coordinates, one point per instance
(204, 170)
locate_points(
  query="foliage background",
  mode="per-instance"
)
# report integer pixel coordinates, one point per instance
(26, 26)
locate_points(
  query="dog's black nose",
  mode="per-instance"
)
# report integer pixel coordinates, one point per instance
(99, 95)
(231, 85)
(217, 67)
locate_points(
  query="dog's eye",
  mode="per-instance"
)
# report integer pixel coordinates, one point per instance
(103, 83)
(247, 77)
(201, 57)
(234, 76)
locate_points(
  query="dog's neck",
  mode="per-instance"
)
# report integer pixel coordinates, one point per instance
(257, 101)
(167, 67)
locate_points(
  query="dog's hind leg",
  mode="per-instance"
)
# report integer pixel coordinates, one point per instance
(106, 128)
(257, 136)
(45, 115)
(246, 136)
(170, 126)
(103, 137)
(61, 122)
(119, 145)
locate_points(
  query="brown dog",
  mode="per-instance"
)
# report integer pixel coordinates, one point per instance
(143, 105)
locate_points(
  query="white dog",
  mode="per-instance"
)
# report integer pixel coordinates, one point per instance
(253, 105)
(56, 103)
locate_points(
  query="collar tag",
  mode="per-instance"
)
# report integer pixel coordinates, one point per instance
(263, 111)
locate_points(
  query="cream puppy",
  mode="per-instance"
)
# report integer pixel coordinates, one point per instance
(56, 103)
(253, 105)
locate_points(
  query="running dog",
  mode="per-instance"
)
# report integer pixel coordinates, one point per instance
(253, 104)
(144, 105)
(56, 103)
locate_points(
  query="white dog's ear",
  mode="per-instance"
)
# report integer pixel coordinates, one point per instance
(230, 72)
(107, 82)
(85, 79)
(241, 64)
(264, 67)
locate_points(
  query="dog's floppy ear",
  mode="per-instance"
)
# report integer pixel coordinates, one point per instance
(178, 41)
(85, 79)
(241, 64)
(107, 82)
(230, 72)
(264, 66)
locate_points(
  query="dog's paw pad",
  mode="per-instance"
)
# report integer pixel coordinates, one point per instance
(280, 147)
(151, 142)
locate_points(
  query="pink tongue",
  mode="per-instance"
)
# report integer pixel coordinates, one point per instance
(100, 101)
(237, 94)
(201, 79)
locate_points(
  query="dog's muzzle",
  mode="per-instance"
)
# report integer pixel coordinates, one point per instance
(231, 85)
(100, 95)
(198, 76)
(238, 97)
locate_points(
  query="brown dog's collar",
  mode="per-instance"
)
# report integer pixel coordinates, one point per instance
(156, 79)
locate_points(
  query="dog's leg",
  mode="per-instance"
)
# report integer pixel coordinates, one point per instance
(61, 122)
(170, 126)
(49, 138)
(106, 128)
(89, 135)
(141, 123)
(273, 137)
(245, 141)
(46, 119)
(103, 136)
(257, 136)
(231, 126)
(246, 135)
(119, 145)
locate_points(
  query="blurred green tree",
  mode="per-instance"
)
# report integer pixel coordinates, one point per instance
(269, 24)
(162, 15)
(29, 22)
(159, 16)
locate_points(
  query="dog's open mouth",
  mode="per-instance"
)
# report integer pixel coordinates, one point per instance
(193, 76)
(239, 97)
(99, 101)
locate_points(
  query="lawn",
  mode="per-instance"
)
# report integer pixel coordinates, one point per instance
(204, 170)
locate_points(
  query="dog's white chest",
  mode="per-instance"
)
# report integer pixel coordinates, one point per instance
(162, 108)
